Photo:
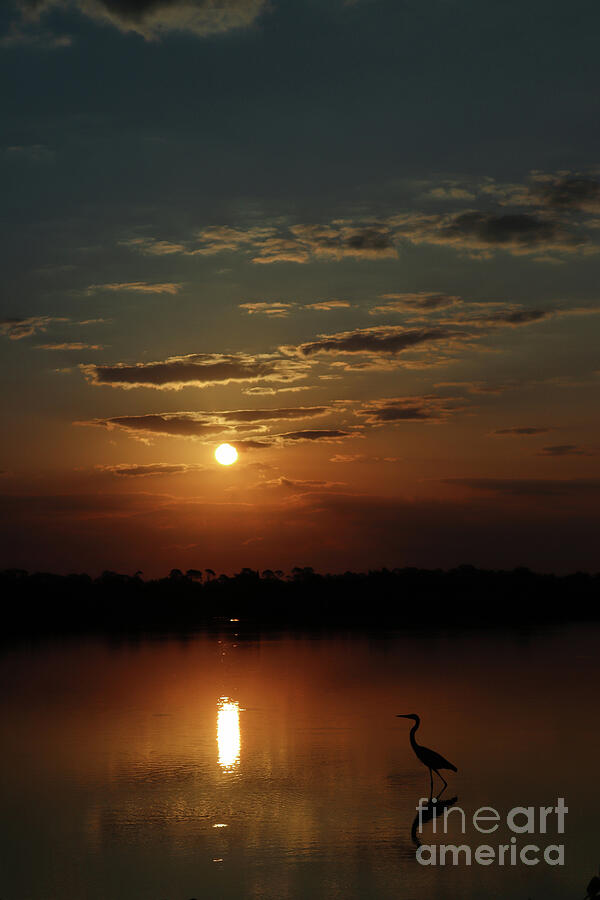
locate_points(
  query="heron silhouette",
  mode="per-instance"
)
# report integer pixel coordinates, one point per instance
(432, 760)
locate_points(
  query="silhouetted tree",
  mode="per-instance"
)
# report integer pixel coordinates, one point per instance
(194, 574)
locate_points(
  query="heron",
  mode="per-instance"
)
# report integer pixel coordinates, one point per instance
(432, 760)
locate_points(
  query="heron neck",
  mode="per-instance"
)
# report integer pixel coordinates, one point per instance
(413, 731)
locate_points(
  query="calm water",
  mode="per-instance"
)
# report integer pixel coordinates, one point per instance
(232, 768)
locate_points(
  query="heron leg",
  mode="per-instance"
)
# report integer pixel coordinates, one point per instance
(443, 779)
(430, 784)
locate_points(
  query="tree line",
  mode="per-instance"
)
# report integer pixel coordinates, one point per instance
(376, 599)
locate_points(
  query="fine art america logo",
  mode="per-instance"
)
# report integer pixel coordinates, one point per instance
(520, 820)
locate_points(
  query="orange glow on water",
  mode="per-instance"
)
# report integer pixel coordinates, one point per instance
(228, 734)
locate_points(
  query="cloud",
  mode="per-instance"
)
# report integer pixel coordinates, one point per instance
(131, 470)
(153, 247)
(481, 233)
(222, 239)
(424, 345)
(251, 444)
(206, 424)
(482, 387)
(450, 191)
(279, 310)
(282, 243)
(327, 305)
(517, 232)
(70, 345)
(183, 424)
(567, 192)
(370, 242)
(300, 485)
(21, 327)
(338, 240)
(518, 316)
(274, 310)
(564, 450)
(535, 218)
(484, 316)
(264, 415)
(316, 435)
(387, 339)
(362, 458)
(140, 287)
(468, 325)
(396, 410)
(558, 192)
(423, 301)
(153, 19)
(267, 391)
(521, 430)
(127, 470)
(196, 370)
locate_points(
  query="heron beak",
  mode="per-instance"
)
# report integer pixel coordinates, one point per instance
(403, 717)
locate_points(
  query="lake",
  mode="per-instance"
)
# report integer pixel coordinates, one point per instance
(224, 766)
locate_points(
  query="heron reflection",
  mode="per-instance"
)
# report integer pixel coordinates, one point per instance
(433, 809)
(228, 733)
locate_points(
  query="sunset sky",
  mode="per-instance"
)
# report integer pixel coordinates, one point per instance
(357, 239)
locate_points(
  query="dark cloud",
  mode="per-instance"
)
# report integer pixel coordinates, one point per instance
(519, 316)
(127, 470)
(481, 233)
(185, 424)
(569, 192)
(369, 241)
(316, 435)
(516, 230)
(205, 424)
(154, 18)
(199, 370)
(394, 339)
(419, 302)
(521, 430)
(564, 450)
(384, 339)
(250, 444)
(409, 409)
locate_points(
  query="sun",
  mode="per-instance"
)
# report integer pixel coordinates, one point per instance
(226, 454)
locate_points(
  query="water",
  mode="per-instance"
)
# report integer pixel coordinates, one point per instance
(223, 767)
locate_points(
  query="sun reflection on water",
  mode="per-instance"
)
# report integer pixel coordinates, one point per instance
(228, 733)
